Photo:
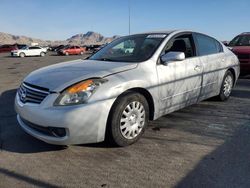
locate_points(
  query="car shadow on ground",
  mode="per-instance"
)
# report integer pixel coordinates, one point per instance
(12, 137)
(29, 180)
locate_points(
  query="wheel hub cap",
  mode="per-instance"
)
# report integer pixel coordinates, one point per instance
(132, 120)
(228, 85)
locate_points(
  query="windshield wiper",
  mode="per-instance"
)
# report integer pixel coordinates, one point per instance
(105, 59)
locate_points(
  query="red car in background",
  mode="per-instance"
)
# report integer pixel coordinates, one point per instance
(72, 50)
(8, 48)
(240, 45)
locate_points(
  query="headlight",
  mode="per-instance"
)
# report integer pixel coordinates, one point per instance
(79, 93)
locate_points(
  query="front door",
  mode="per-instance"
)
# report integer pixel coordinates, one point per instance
(180, 81)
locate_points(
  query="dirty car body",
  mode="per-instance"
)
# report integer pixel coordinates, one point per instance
(192, 70)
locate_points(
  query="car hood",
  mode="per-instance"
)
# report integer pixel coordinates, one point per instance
(241, 49)
(59, 76)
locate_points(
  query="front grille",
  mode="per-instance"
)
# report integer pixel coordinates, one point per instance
(32, 94)
(243, 56)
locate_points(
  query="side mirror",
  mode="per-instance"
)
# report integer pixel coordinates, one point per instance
(172, 56)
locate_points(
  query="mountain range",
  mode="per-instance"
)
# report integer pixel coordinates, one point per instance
(79, 39)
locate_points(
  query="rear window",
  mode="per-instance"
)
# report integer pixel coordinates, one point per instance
(207, 45)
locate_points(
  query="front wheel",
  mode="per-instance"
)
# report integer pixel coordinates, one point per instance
(128, 119)
(227, 86)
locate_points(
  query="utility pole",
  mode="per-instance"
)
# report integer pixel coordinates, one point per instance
(129, 17)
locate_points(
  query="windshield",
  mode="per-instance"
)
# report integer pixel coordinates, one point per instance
(24, 47)
(242, 40)
(135, 48)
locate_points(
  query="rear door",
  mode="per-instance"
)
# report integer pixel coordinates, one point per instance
(77, 50)
(71, 50)
(212, 59)
(29, 51)
(33, 51)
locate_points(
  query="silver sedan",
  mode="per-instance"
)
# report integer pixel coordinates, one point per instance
(114, 93)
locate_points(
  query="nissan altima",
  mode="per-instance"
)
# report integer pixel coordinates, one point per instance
(115, 92)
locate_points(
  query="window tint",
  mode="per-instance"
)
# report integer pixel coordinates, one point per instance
(207, 45)
(77, 47)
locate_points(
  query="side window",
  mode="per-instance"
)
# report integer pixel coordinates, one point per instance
(77, 47)
(34, 48)
(183, 43)
(207, 45)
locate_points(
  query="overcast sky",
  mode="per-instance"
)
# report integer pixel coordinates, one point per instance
(60, 19)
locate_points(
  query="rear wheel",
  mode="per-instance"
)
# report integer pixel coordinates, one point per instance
(227, 86)
(22, 54)
(128, 119)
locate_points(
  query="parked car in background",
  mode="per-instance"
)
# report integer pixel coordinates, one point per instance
(57, 48)
(92, 48)
(240, 45)
(98, 48)
(20, 46)
(8, 47)
(72, 50)
(45, 47)
(116, 92)
(29, 51)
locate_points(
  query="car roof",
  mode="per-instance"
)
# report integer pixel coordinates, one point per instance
(167, 32)
(245, 33)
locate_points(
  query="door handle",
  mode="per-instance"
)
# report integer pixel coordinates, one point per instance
(197, 68)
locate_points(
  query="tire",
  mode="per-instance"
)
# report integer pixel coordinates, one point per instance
(22, 54)
(226, 86)
(128, 119)
(67, 53)
(81, 53)
(42, 54)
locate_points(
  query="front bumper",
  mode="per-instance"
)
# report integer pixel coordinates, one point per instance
(14, 54)
(84, 123)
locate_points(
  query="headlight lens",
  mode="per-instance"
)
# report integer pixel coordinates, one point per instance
(79, 93)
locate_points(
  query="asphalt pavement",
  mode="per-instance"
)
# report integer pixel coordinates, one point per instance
(204, 145)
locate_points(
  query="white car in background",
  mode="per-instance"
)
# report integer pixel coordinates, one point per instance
(29, 51)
